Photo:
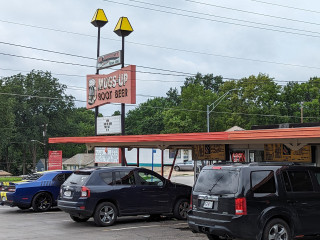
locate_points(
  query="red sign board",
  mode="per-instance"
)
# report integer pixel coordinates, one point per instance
(55, 160)
(116, 87)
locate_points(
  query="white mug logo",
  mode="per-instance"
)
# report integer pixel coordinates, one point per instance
(92, 91)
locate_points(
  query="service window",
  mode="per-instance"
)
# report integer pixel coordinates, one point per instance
(148, 179)
(124, 178)
(263, 182)
(298, 181)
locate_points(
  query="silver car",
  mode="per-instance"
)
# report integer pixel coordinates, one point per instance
(186, 166)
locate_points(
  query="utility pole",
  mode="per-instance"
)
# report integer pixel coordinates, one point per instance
(301, 109)
(45, 145)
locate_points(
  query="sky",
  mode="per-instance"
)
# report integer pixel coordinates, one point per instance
(172, 39)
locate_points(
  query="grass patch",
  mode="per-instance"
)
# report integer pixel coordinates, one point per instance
(10, 179)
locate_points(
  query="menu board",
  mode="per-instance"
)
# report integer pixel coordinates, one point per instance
(281, 153)
(209, 152)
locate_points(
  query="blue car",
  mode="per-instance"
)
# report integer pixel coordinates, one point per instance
(39, 191)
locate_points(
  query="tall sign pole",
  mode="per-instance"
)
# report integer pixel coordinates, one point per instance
(99, 20)
(123, 29)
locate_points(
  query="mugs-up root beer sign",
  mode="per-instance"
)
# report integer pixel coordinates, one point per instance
(116, 87)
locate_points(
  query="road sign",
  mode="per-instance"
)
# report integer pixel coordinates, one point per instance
(108, 125)
(109, 60)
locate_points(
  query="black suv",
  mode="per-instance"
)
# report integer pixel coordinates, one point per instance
(107, 193)
(256, 201)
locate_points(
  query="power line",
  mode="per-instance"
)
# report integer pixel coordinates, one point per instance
(285, 6)
(228, 18)
(250, 12)
(213, 20)
(165, 108)
(176, 49)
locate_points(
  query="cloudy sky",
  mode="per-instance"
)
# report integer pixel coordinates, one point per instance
(171, 40)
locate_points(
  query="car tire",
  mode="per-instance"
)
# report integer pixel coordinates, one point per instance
(79, 219)
(181, 208)
(277, 227)
(177, 168)
(213, 237)
(42, 202)
(105, 214)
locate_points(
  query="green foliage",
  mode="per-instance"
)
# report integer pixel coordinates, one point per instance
(10, 179)
(24, 118)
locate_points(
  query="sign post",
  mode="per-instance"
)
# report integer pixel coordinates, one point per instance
(99, 20)
(123, 29)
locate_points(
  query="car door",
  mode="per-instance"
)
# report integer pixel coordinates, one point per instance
(304, 198)
(125, 192)
(153, 192)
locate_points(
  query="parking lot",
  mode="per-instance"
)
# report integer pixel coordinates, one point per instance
(55, 224)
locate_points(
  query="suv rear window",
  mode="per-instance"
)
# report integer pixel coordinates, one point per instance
(217, 181)
(78, 178)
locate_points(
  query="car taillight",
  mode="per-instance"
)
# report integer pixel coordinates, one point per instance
(241, 206)
(85, 192)
(190, 206)
(11, 189)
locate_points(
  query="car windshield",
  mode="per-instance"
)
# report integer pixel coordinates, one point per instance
(217, 181)
(78, 178)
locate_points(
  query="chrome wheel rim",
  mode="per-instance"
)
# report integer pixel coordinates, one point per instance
(183, 209)
(107, 214)
(278, 232)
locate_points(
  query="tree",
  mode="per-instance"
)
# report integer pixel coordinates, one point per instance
(147, 118)
(34, 100)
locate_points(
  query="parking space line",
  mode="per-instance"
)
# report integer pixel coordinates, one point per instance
(148, 226)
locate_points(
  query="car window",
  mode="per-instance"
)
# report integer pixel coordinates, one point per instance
(106, 177)
(300, 181)
(217, 181)
(61, 177)
(317, 176)
(79, 178)
(148, 179)
(263, 182)
(124, 178)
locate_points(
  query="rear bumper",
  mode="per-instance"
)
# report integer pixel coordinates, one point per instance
(78, 209)
(226, 226)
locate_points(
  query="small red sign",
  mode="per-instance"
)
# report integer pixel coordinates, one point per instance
(116, 87)
(55, 160)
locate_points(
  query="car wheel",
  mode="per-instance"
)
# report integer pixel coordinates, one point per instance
(105, 215)
(277, 229)
(79, 219)
(177, 168)
(181, 208)
(42, 202)
(213, 237)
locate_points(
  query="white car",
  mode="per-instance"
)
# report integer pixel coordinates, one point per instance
(187, 166)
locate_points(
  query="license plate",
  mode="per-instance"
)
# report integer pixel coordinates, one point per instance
(67, 193)
(208, 204)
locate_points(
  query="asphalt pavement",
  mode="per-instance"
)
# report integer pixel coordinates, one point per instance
(18, 224)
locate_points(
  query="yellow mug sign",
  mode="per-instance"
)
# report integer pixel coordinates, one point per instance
(209, 152)
(281, 153)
